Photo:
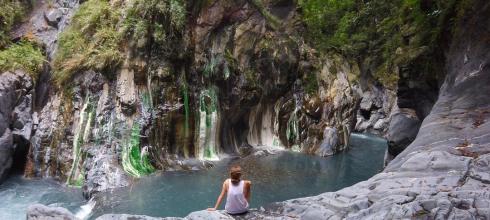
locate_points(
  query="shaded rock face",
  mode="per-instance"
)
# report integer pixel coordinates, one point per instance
(404, 126)
(442, 173)
(80, 136)
(16, 97)
(375, 110)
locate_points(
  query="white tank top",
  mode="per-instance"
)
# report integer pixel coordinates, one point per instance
(235, 199)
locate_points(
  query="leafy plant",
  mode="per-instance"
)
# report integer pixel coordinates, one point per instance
(11, 12)
(23, 55)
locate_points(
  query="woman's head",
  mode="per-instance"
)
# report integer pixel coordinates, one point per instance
(235, 174)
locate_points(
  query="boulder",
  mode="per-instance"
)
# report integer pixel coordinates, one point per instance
(103, 171)
(53, 16)
(403, 129)
(42, 212)
(329, 143)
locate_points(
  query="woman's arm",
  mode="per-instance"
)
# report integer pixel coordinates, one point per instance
(248, 192)
(220, 197)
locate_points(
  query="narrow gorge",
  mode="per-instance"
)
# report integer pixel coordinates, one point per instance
(114, 106)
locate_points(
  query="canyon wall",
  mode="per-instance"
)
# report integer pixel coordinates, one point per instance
(443, 174)
(132, 88)
(234, 77)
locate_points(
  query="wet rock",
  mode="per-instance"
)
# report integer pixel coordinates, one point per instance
(42, 212)
(329, 142)
(245, 150)
(103, 171)
(6, 153)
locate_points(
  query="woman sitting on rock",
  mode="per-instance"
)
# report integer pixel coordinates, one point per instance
(237, 193)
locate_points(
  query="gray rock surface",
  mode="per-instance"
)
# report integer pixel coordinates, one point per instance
(329, 142)
(209, 215)
(132, 217)
(443, 174)
(46, 21)
(375, 110)
(53, 16)
(42, 212)
(15, 116)
(403, 129)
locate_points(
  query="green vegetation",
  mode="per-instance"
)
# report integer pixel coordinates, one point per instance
(385, 33)
(23, 55)
(97, 37)
(91, 42)
(135, 161)
(11, 12)
(311, 83)
(154, 22)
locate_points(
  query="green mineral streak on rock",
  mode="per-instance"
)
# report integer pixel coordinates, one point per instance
(146, 100)
(210, 67)
(185, 94)
(208, 121)
(82, 134)
(135, 162)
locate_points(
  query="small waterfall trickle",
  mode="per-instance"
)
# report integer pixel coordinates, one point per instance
(185, 94)
(207, 148)
(292, 129)
(86, 210)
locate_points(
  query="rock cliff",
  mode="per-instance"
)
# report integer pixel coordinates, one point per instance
(134, 87)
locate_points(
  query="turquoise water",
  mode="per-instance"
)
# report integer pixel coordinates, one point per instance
(277, 177)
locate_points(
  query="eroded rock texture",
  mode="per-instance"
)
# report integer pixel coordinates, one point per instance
(233, 81)
(16, 96)
(443, 173)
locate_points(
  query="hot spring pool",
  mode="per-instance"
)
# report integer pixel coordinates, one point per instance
(278, 177)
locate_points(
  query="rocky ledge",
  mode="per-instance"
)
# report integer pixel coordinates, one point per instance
(444, 172)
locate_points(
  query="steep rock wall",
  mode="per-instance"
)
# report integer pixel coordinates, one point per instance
(234, 77)
(16, 122)
(443, 174)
